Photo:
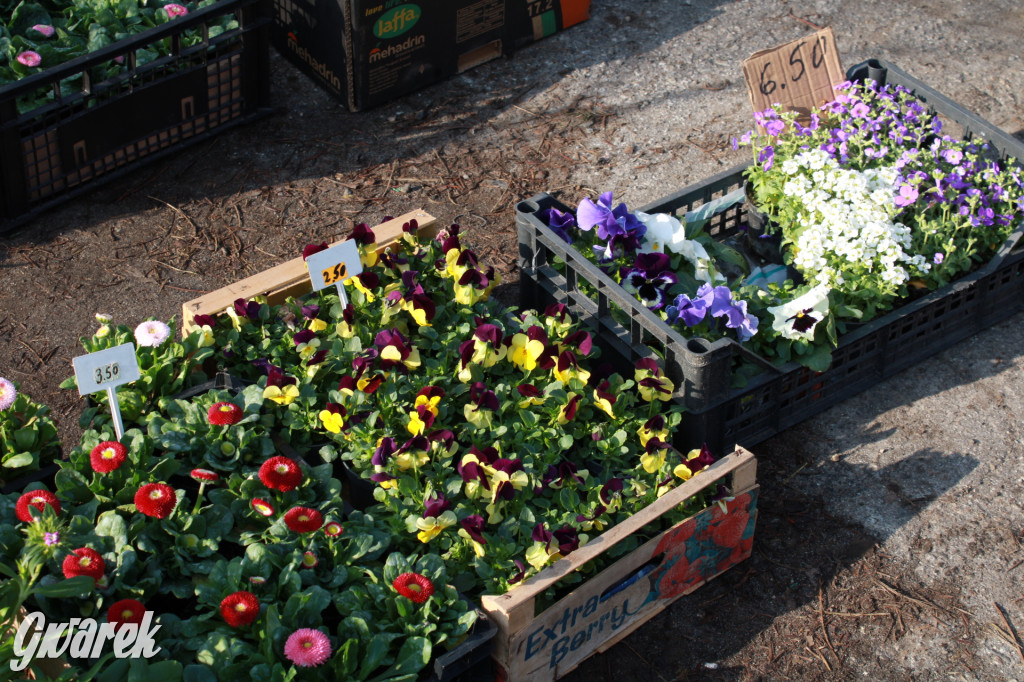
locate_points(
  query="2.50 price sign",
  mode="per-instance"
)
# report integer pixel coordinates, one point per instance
(800, 75)
(334, 265)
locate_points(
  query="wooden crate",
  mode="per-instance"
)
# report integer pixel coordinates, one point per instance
(607, 607)
(291, 277)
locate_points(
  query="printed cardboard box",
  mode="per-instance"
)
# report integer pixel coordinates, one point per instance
(366, 52)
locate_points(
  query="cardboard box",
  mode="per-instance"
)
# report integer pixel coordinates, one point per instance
(367, 52)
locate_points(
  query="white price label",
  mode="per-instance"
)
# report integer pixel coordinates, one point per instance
(334, 265)
(106, 368)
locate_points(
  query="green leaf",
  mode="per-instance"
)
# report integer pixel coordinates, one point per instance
(199, 673)
(79, 587)
(25, 438)
(412, 657)
(112, 525)
(376, 652)
(22, 459)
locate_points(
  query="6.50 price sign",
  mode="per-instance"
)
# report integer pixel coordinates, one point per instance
(800, 75)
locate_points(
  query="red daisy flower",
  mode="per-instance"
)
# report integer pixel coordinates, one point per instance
(263, 507)
(84, 561)
(309, 560)
(415, 586)
(125, 612)
(281, 473)
(303, 519)
(156, 499)
(240, 608)
(38, 499)
(108, 456)
(224, 414)
(333, 529)
(205, 475)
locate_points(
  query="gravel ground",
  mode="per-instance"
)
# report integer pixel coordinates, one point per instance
(889, 537)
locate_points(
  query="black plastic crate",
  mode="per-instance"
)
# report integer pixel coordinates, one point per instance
(778, 397)
(92, 131)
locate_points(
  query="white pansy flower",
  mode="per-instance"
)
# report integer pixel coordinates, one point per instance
(666, 233)
(798, 318)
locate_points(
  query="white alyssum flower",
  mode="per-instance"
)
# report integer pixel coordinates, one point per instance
(847, 233)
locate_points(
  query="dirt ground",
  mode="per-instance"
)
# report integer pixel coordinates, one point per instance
(641, 99)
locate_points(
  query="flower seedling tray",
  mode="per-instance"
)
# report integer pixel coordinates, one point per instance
(291, 278)
(93, 131)
(779, 396)
(608, 606)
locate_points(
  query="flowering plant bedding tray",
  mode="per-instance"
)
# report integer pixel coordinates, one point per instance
(736, 387)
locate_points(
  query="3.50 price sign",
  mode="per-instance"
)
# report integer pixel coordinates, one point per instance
(800, 75)
(106, 368)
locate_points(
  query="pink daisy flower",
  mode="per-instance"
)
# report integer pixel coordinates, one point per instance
(152, 333)
(7, 393)
(173, 9)
(307, 648)
(45, 29)
(30, 58)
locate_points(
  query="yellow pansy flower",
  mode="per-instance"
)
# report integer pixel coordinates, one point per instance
(526, 351)
(333, 421)
(431, 527)
(283, 395)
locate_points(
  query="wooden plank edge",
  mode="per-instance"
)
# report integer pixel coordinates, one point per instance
(520, 596)
(291, 278)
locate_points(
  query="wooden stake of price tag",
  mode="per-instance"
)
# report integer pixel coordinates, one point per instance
(800, 75)
(334, 266)
(106, 370)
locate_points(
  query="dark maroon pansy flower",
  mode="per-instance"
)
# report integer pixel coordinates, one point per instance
(382, 455)
(362, 234)
(474, 527)
(309, 249)
(610, 489)
(435, 506)
(205, 321)
(249, 309)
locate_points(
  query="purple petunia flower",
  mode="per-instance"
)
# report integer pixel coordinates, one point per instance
(767, 157)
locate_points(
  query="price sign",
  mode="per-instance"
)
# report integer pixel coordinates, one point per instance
(333, 266)
(105, 370)
(800, 75)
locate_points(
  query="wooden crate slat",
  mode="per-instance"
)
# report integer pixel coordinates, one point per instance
(608, 606)
(291, 277)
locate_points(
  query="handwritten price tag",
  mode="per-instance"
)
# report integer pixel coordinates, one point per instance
(800, 75)
(334, 265)
(106, 368)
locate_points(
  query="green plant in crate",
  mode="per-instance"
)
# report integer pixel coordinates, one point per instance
(166, 367)
(873, 201)
(28, 436)
(35, 36)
